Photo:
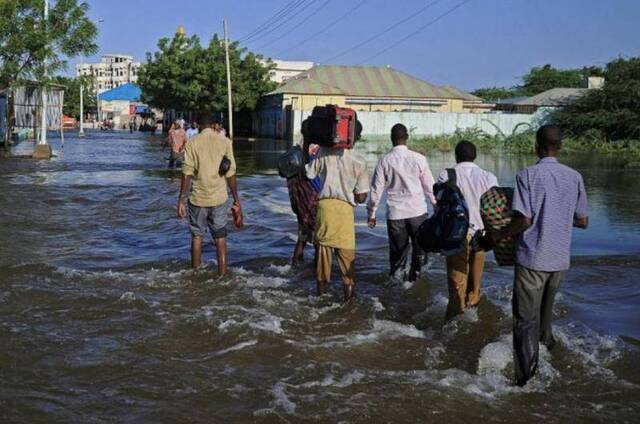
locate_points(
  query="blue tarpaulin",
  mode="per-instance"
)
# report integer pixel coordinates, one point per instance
(142, 110)
(128, 91)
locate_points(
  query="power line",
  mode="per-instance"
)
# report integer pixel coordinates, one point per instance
(311, 15)
(416, 32)
(328, 27)
(282, 12)
(302, 7)
(380, 34)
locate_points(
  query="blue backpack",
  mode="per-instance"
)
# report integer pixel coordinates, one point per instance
(446, 231)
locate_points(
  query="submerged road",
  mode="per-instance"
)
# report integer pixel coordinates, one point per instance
(102, 320)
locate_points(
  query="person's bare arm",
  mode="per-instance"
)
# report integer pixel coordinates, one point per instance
(232, 181)
(185, 183)
(305, 151)
(360, 197)
(517, 226)
(582, 222)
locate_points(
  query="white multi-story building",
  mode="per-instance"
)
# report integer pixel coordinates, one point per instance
(111, 72)
(287, 69)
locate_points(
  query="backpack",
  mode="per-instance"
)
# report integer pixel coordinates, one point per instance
(446, 231)
(291, 163)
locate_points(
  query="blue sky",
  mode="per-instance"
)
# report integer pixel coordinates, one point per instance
(481, 43)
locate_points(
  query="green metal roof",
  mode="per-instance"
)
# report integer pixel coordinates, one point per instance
(367, 81)
(304, 85)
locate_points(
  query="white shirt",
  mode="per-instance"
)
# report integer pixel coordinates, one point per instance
(342, 173)
(192, 132)
(408, 181)
(473, 182)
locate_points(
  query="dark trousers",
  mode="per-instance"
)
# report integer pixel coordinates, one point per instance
(402, 238)
(533, 296)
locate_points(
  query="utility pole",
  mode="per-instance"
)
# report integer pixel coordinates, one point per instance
(81, 132)
(226, 50)
(43, 89)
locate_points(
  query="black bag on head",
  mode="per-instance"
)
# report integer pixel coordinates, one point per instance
(291, 163)
(446, 231)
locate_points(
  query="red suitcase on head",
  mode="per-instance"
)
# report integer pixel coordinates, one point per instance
(333, 126)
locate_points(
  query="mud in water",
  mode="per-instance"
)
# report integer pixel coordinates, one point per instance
(101, 319)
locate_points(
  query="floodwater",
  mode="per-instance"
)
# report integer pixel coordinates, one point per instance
(101, 319)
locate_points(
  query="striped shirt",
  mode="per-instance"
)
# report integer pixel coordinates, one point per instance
(551, 195)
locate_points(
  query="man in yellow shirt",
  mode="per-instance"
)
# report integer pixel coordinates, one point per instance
(208, 196)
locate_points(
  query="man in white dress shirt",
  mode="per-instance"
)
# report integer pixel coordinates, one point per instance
(407, 179)
(464, 270)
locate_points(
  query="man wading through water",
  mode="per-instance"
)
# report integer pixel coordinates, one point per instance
(208, 196)
(464, 270)
(344, 183)
(549, 200)
(407, 179)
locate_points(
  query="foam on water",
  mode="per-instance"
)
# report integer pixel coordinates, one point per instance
(237, 347)
(280, 398)
(330, 380)
(280, 269)
(377, 305)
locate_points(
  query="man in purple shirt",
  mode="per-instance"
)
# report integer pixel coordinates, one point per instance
(549, 200)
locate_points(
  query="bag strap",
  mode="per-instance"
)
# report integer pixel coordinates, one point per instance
(451, 174)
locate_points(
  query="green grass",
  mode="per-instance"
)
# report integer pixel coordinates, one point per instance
(524, 142)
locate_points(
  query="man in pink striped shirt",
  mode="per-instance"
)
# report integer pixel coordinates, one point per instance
(177, 141)
(407, 179)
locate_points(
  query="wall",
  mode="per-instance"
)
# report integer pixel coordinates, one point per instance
(301, 102)
(378, 124)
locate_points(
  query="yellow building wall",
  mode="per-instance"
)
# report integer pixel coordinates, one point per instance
(309, 101)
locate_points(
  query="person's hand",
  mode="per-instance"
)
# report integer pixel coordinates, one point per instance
(236, 212)
(182, 209)
(488, 240)
(372, 222)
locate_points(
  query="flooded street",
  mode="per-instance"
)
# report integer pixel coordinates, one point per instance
(102, 320)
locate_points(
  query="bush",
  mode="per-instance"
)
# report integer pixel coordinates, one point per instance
(613, 111)
(524, 142)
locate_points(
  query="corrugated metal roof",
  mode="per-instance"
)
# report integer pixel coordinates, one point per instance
(306, 85)
(553, 97)
(367, 81)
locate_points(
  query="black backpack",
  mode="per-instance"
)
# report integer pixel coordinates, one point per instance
(291, 163)
(446, 231)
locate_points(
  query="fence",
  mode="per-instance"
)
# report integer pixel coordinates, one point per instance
(378, 124)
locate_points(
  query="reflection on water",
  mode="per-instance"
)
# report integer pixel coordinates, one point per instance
(102, 320)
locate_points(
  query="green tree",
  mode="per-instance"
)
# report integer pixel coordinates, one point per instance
(539, 79)
(543, 78)
(497, 93)
(26, 44)
(72, 94)
(184, 75)
(613, 111)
